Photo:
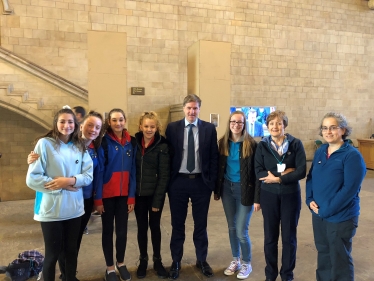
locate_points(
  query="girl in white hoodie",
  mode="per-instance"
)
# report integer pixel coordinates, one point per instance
(64, 166)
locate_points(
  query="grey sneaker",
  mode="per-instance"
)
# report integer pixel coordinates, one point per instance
(111, 276)
(124, 274)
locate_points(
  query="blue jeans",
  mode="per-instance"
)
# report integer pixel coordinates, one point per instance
(238, 217)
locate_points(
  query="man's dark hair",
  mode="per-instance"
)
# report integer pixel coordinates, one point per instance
(80, 109)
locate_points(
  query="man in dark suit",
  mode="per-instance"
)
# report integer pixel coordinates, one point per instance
(254, 127)
(193, 174)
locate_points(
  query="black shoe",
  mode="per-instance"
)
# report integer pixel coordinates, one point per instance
(159, 267)
(268, 279)
(174, 270)
(286, 279)
(142, 268)
(205, 268)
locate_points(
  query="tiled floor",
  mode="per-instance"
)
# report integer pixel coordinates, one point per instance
(19, 232)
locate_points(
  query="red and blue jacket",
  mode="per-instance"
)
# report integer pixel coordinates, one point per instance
(119, 174)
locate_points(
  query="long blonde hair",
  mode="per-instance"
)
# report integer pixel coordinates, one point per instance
(151, 115)
(248, 141)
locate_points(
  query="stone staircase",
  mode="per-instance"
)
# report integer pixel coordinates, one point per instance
(21, 102)
(34, 92)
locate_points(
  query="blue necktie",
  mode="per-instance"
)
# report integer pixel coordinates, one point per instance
(191, 150)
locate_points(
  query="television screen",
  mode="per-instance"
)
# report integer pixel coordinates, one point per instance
(255, 119)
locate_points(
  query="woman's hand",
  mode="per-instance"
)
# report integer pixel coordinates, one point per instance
(270, 178)
(155, 209)
(288, 170)
(314, 207)
(256, 207)
(100, 209)
(32, 157)
(59, 183)
(130, 208)
(217, 197)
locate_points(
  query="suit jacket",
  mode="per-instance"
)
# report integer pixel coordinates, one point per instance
(258, 129)
(208, 149)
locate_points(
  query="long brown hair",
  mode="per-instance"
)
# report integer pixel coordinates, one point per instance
(248, 141)
(54, 133)
(107, 128)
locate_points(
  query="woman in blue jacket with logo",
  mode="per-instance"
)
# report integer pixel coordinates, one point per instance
(332, 195)
(115, 194)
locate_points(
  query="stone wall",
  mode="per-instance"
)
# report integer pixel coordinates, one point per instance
(304, 57)
(16, 138)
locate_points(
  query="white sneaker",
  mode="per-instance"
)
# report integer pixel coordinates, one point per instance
(245, 271)
(233, 267)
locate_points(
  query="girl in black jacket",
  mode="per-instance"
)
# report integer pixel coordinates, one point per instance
(239, 189)
(152, 178)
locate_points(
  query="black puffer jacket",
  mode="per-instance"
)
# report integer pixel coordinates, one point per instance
(152, 169)
(250, 186)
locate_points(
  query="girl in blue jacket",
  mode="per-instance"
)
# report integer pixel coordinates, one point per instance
(64, 166)
(115, 191)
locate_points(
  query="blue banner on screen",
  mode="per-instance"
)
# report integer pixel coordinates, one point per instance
(255, 118)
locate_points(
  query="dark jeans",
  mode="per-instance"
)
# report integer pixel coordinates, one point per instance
(115, 211)
(60, 237)
(180, 192)
(283, 210)
(334, 245)
(144, 217)
(88, 205)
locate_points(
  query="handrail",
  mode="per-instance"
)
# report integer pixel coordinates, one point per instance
(43, 73)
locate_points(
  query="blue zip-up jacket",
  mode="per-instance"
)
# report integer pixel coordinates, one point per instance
(88, 191)
(63, 161)
(335, 183)
(119, 175)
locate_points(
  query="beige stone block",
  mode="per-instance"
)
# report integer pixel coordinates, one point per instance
(21, 9)
(97, 17)
(96, 2)
(29, 22)
(82, 16)
(81, 27)
(47, 24)
(21, 50)
(77, 7)
(17, 32)
(143, 22)
(69, 14)
(28, 33)
(12, 21)
(112, 27)
(72, 36)
(154, 22)
(99, 26)
(125, 12)
(110, 19)
(56, 35)
(155, 7)
(143, 6)
(109, 3)
(34, 11)
(65, 25)
(167, 9)
(104, 10)
(29, 41)
(61, 5)
(130, 30)
(51, 13)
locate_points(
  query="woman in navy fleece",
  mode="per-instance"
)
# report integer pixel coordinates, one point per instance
(280, 163)
(332, 188)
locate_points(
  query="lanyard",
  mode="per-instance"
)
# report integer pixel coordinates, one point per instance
(276, 158)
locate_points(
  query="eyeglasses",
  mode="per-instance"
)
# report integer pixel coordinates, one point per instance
(239, 123)
(331, 128)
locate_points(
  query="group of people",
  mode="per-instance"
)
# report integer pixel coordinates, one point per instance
(98, 165)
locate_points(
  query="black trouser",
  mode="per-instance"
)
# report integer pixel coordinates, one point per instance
(283, 210)
(88, 205)
(180, 192)
(334, 245)
(60, 237)
(115, 210)
(143, 211)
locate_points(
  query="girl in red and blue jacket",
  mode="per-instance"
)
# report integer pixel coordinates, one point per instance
(115, 191)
